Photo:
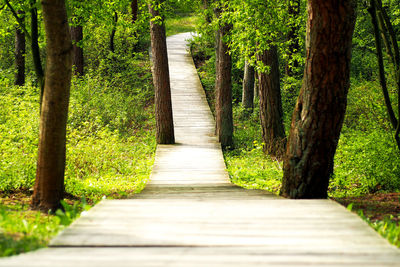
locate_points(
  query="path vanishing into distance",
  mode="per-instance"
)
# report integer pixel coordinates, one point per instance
(191, 215)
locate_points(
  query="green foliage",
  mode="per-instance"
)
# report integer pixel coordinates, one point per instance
(70, 212)
(106, 152)
(367, 159)
(180, 24)
(247, 165)
(19, 233)
(365, 163)
(22, 230)
(19, 136)
(388, 228)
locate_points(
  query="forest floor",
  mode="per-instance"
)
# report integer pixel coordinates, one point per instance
(375, 206)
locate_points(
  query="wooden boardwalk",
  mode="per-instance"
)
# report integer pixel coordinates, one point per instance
(190, 214)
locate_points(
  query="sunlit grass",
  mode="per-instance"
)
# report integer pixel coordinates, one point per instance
(182, 24)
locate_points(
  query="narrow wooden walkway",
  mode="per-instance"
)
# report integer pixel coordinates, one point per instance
(190, 214)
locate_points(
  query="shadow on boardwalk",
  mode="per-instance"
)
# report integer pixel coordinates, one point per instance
(191, 215)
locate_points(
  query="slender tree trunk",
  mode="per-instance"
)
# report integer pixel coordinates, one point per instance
(294, 46)
(256, 87)
(20, 52)
(382, 26)
(217, 13)
(163, 105)
(271, 114)
(134, 8)
(320, 109)
(113, 31)
(37, 62)
(248, 88)
(49, 184)
(223, 103)
(78, 60)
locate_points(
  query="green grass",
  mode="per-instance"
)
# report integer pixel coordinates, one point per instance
(23, 230)
(185, 23)
(247, 165)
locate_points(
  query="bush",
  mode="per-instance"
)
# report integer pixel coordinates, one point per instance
(110, 143)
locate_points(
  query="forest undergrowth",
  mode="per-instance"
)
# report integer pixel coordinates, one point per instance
(110, 141)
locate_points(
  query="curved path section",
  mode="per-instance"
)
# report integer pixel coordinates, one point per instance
(190, 214)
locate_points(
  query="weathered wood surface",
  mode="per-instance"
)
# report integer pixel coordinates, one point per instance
(190, 214)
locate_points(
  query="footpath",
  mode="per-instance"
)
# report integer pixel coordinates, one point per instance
(191, 215)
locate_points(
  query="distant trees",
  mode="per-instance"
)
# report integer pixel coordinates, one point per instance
(248, 87)
(78, 58)
(257, 27)
(293, 37)
(49, 184)
(76, 29)
(20, 51)
(37, 61)
(271, 113)
(160, 69)
(320, 109)
(383, 29)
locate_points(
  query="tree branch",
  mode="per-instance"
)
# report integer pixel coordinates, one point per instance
(19, 20)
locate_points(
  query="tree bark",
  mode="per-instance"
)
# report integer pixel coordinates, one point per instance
(37, 62)
(163, 105)
(78, 60)
(49, 184)
(248, 88)
(20, 52)
(223, 103)
(321, 105)
(271, 114)
(134, 8)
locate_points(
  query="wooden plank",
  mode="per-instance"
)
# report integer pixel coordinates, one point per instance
(200, 257)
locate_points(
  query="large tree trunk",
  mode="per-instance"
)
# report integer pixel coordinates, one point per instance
(223, 103)
(294, 46)
(49, 184)
(78, 60)
(163, 105)
(320, 109)
(35, 49)
(271, 114)
(248, 88)
(20, 52)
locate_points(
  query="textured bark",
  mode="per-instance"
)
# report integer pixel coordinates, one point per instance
(271, 114)
(163, 105)
(223, 89)
(294, 46)
(248, 87)
(20, 52)
(134, 9)
(49, 184)
(78, 60)
(37, 62)
(113, 31)
(320, 109)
